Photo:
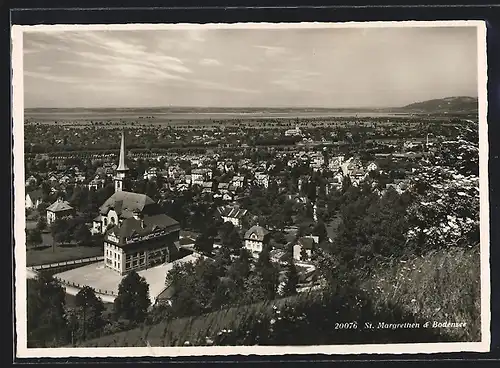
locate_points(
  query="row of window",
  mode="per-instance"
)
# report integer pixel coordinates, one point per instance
(253, 245)
(112, 254)
(135, 263)
(114, 264)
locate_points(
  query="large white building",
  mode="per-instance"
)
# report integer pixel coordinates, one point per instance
(137, 234)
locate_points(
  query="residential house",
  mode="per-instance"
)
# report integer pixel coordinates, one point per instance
(293, 132)
(31, 181)
(33, 199)
(232, 214)
(400, 186)
(207, 187)
(317, 162)
(262, 179)
(151, 173)
(182, 187)
(372, 166)
(59, 209)
(304, 247)
(255, 239)
(357, 176)
(199, 176)
(237, 181)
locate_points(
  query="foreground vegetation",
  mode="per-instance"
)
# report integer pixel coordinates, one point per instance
(440, 287)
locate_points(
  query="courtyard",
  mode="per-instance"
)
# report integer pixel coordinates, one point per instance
(106, 281)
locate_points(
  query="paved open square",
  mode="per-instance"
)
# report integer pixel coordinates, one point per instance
(105, 280)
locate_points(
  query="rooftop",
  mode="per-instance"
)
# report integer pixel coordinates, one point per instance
(126, 203)
(131, 228)
(59, 206)
(258, 231)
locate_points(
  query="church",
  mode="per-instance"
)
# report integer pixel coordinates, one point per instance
(137, 235)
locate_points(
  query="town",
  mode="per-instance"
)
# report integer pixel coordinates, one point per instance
(205, 216)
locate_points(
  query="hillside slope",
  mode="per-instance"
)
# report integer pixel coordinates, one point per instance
(441, 286)
(459, 104)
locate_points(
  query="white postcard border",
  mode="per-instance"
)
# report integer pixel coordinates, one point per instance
(22, 351)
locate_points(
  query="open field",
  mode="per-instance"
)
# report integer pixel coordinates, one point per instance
(47, 255)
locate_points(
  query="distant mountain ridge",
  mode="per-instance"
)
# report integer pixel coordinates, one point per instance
(456, 104)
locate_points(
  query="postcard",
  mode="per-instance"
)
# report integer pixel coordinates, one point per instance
(250, 189)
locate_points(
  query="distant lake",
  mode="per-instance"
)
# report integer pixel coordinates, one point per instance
(152, 115)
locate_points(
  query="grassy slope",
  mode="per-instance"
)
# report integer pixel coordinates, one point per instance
(177, 331)
(442, 286)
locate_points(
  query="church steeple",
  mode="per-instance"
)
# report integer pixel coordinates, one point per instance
(122, 166)
(122, 169)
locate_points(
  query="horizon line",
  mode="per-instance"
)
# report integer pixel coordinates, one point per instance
(246, 107)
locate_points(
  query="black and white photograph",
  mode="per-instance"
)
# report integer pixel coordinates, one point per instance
(250, 188)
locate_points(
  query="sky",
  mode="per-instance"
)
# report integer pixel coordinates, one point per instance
(217, 67)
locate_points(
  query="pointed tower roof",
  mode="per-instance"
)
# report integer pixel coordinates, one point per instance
(121, 164)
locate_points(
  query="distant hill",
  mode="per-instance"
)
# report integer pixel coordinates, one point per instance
(459, 104)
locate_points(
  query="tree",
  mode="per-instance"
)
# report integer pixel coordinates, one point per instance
(82, 234)
(60, 231)
(194, 285)
(132, 301)
(42, 208)
(240, 268)
(90, 309)
(254, 290)
(320, 231)
(303, 254)
(47, 325)
(34, 237)
(291, 279)
(41, 224)
(268, 272)
(230, 237)
(204, 243)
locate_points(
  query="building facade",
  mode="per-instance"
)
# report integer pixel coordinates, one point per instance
(141, 243)
(137, 235)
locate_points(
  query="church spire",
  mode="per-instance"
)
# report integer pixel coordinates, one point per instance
(122, 168)
(121, 164)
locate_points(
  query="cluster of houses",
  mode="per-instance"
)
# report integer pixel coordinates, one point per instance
(237, 175)
(257, 237)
